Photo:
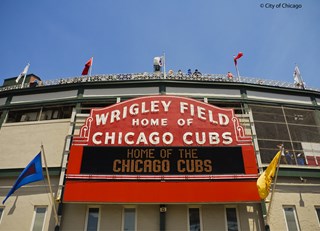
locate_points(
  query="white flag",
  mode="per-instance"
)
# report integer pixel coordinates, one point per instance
(297, 77)
(23, 73)
(158, 61)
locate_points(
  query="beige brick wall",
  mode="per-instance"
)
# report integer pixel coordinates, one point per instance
(20, 142)
(19, 208)
(304, 199)
(148, 217)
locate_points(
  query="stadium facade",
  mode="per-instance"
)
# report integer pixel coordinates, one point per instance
(153, 152)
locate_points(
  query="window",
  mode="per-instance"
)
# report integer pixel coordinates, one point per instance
(318, 214)
(50, 113)
(272, 131)
(232, 219)
(296, 128)
(194, 219)
(300, 116)
(267, 114)
(291, 218)
(1, 212)
(129, 219)
(36, 114)
(38, 218)
(23, 115)
(92, 219)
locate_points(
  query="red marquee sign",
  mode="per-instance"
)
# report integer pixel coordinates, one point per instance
(158, 144)
(162, 121)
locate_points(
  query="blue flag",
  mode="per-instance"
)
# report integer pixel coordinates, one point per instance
(32, 173)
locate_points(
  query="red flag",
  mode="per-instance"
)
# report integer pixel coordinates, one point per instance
(240, 54)
(87, 67)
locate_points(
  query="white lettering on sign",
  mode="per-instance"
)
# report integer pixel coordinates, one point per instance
(152, 122)
(154, 138)
(201, 138)
(133, 110)
(203, 114)
(163, 120)
(156, 106)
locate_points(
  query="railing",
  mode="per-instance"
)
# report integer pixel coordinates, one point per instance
(151, 76)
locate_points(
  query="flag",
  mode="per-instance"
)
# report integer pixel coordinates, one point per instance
(240, 54)
(161, 61)
(158, 61)
(32, 173)
(23, 73)
(87, 67)
(264, 181)
(297, 77)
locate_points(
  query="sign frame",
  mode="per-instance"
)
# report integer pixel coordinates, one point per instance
(209, 127)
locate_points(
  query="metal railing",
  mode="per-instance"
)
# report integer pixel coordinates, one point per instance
(152, 76)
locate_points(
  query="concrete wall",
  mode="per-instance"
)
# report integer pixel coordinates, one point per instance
(20, 142)
(18, 213)
(148, 217)
(74, 217)
(213, 217)
(303, 199)
(176, 217)
(250, 217)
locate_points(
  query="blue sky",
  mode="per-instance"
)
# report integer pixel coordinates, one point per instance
(58, 37)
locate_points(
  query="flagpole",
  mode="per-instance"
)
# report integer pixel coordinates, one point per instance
(240, 54)
(300, 77)
(164, 65)
(24, 77)
(49, 183)
(273, 187)
(91, 66)
(238, 72)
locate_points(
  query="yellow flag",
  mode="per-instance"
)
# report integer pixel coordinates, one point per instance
(264, 181)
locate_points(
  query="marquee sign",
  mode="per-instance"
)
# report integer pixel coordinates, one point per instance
(161, 160)
(162, 121)
(150, 143)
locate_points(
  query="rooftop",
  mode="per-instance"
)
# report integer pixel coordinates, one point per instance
(158, 76)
